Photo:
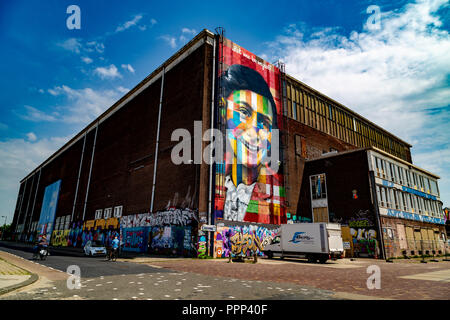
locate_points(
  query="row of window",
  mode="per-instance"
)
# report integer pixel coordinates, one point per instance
(389, 171)
(106, 213)
(319, 114)
(398, 200)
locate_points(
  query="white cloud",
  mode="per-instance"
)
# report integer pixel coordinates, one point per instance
(79, 46)
(130, 23)
(174, 41)
(110, 72)
(128, 67)
(84, 105)
(17, 158)
(171, 41)
(394, 76)
(122, 90)
(92, 46)
(72, 44)
(35, 115)
(80, 106)
(87, 60)
(189, 31)
(31, 136)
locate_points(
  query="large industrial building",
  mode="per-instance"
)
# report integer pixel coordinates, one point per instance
(118, 176)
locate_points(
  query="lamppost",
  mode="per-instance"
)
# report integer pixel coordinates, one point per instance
(4, 228)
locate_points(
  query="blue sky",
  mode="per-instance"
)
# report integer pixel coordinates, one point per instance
(55, 80)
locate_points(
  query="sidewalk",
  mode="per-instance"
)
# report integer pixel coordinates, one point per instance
(13, 277)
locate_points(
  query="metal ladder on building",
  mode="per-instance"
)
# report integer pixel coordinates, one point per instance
(284, 135)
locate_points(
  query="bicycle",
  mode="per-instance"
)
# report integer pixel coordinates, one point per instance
(112, 254)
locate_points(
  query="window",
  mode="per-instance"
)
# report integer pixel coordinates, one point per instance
(401, 205)
(427, 185)
(300, 146)
(383, 197)
(118, 211)
(378, 166)
(392, 172)
(421, 183)
(434, 187)
(98, 214)
(294, 110)
(400, 174)
(408, 178)
(395, 202)
(107, 213)
(379, 196)
(385, 170)
(318, 187)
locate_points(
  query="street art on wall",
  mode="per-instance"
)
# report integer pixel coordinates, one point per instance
(249, 184)
(48, 210)
(243, 241)
(201, 249)
(75, 235)
(364, 242)
(60, 238)
(171, 216)
(135, 239)
(171, 240)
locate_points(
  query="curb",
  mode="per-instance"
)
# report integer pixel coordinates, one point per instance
(32, 279)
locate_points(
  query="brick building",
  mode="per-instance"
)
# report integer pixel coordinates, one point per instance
(117, 176)
(387, 207)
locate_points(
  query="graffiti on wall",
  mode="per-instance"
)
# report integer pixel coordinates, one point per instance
(364, 241)
(242, 241)
(171, 216)
(60, 238)
(201, 250)
(135, 239)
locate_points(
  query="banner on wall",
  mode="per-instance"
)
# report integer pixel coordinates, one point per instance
(249, 186)
(48, 210)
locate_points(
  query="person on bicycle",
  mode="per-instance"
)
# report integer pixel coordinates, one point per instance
(115, 246)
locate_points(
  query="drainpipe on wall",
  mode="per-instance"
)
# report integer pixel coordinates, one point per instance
(34, 201)
(90, 171)
(21, 203)
(211, 139)
(28, 205)
(377, 211)
(155, 166)
(78, 180)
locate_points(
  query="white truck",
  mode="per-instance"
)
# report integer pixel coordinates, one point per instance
(314, 241)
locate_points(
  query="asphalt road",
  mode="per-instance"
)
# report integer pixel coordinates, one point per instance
(104, 280)
(90, 267)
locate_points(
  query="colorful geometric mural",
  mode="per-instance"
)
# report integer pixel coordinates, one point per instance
(249, 184)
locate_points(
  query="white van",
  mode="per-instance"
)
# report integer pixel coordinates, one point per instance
(314, 241)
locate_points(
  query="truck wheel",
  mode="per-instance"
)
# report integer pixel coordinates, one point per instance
(323, 259)
(270, 255)
(311, 259)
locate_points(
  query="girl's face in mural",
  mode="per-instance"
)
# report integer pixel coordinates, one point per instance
(249, 123)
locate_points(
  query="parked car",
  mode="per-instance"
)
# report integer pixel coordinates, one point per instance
(314, 241)
(94, 248)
